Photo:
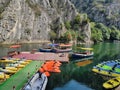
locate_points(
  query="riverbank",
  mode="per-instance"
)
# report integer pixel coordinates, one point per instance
(26, 42)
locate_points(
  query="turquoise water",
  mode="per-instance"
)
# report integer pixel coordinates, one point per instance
(73, 85)
(71, 75)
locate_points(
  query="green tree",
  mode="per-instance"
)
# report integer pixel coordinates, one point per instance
(96, 33)
(84, 17)
(67, 25)
(105, 30)
(74, 34)
(115, 33)
(68, 36)
(77, 19)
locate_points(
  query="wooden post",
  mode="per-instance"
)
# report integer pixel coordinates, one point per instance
(36, 68)
(14, 87)
(28, 75)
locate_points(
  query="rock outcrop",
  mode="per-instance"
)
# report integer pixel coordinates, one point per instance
(31, 20)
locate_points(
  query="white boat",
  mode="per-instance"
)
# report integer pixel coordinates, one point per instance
(37, 82)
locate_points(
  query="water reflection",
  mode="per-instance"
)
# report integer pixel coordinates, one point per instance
(24, 47)
(102, 52)
(73, 85)
(83, 63)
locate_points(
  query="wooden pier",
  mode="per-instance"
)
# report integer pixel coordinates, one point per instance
(62, 57)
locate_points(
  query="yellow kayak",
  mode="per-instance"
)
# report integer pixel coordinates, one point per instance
(11, 68)
(3, 75)
(6, 61)
(16, 65)
(25, 62)
(18, 59)
(28, 60)
(87, 48)
(102, 72)
(112, 83)
(7, 71)
(22, 62)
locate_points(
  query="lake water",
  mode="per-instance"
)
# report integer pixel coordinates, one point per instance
(83, 76)
(73, 77)
(25, 47)
(73, 85)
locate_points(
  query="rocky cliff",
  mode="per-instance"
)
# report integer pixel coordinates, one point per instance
(104, 11)
(32, 20)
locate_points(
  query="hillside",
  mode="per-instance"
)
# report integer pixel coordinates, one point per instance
(102, 11)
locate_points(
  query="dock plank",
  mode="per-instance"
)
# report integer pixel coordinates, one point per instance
(62, 57)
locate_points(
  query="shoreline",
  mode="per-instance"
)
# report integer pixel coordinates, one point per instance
(36, 42)
(26, 42)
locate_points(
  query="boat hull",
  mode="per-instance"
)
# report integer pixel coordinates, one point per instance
(45, 50)
(109, 68)
(79, 56)
(61, 50)
(37, 82)
(112, 83)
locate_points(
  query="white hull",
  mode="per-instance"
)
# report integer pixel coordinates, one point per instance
(37, 82)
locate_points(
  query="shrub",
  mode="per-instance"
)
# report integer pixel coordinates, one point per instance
(105, 30)
(96, 33)
(74, 34)
(53, 35)
(77, 19)
(67, 25)
(115, 33)
(68, 36)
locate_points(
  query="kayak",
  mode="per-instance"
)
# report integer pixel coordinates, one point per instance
(3, 75)
(112, 83)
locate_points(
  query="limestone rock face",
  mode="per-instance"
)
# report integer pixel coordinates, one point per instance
(86, 31)
(31, 20)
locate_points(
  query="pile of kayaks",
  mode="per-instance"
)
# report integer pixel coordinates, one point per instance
(50, 66)
(11, 66)
(109, 68)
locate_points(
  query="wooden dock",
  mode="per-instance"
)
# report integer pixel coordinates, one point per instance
(62, 57)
